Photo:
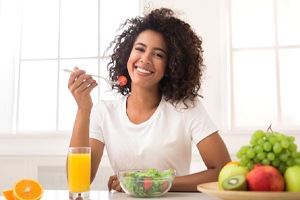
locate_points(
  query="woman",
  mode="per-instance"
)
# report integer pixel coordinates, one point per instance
(159, 115)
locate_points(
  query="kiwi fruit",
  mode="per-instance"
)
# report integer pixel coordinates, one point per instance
(237, 182)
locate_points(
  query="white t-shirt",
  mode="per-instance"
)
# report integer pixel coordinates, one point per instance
(163, 141)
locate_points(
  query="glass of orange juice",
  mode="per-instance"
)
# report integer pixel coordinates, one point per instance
(79, 172)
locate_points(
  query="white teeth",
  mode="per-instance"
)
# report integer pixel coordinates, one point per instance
(143, 71)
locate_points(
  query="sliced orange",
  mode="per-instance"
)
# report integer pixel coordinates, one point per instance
(8, 194)
(27, 189)
(234, 162)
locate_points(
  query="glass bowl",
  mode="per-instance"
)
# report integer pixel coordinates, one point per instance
(146, 183)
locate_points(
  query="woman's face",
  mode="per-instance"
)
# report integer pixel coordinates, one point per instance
(148, 59)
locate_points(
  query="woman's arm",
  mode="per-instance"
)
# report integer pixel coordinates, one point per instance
(97, 152)
(81, 85)
(215, 155)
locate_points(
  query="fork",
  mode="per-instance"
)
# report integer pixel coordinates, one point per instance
(107, 81)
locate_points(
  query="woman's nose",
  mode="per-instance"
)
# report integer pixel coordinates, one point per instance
(145, 59)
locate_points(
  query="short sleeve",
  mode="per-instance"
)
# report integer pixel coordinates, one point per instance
(200, 123)
(96, 120)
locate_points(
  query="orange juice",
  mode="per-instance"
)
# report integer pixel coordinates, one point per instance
(79, 170)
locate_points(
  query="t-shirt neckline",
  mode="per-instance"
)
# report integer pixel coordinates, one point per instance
(157, 111)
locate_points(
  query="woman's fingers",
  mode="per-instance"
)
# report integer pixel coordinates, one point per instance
(84, 84)
(91, 86)
(114, 184)
(80, 85)
(111, 181)
(74, 77)
(79, 82)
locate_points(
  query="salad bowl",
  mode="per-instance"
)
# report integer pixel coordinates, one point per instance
(146, 183)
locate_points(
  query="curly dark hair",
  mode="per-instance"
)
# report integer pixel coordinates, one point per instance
(183, 76)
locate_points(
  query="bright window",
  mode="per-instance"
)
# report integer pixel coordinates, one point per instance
(38, 38)
(264, 59)
(44, 37)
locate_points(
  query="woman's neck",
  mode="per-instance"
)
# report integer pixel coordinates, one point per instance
(141, 105)
(143, 102)
(144, 99)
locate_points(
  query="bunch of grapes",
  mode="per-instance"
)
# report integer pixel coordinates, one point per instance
(269, 148)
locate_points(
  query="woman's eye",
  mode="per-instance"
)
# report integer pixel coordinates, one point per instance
(139, 49)
(158, 55)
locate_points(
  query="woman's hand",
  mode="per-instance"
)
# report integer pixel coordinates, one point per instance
(114, 184)
(81, 84)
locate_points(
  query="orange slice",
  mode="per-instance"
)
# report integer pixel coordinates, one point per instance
(27, 189)
(8, 194)
(234, 162)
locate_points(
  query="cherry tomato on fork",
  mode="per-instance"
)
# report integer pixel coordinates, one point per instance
(122, 80)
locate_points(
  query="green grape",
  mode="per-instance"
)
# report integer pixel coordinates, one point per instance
(253, 141)
(245, 148)
(277, 147)
(294, 154)
(244, 160)
(250, 165)
(285, 143)
(256, 160)
(280, 137)
(261, 155)
(282, 167)
(250, 153)
(283, 157)
(267, 146)
(259, 134)
(239, 154)
(261, 142)
(291, 139)
(268, 135)
(258, 149)
(242, 151)
(271, 156)
(292, 147)
(265, 161)
(276, 162)
(272, 140)
(290, 162)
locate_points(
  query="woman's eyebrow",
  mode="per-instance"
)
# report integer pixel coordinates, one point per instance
(156, 48)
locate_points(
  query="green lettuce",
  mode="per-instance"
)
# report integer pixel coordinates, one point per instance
(149, 182)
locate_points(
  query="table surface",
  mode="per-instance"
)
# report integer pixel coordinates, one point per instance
(105, 195)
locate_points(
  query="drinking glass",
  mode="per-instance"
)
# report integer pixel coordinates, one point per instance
(79, 172)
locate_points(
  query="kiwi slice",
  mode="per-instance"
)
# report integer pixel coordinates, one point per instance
(236, 182)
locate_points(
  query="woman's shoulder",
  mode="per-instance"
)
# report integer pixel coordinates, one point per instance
(184, 107)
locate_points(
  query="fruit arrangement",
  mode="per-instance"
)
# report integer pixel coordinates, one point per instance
(24, 189)
(270, 162)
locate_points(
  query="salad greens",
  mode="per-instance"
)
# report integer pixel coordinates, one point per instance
(145, 183)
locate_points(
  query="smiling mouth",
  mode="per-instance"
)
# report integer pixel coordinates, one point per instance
(143, 70)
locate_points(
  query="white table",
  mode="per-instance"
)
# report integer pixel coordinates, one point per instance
(105, 195)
